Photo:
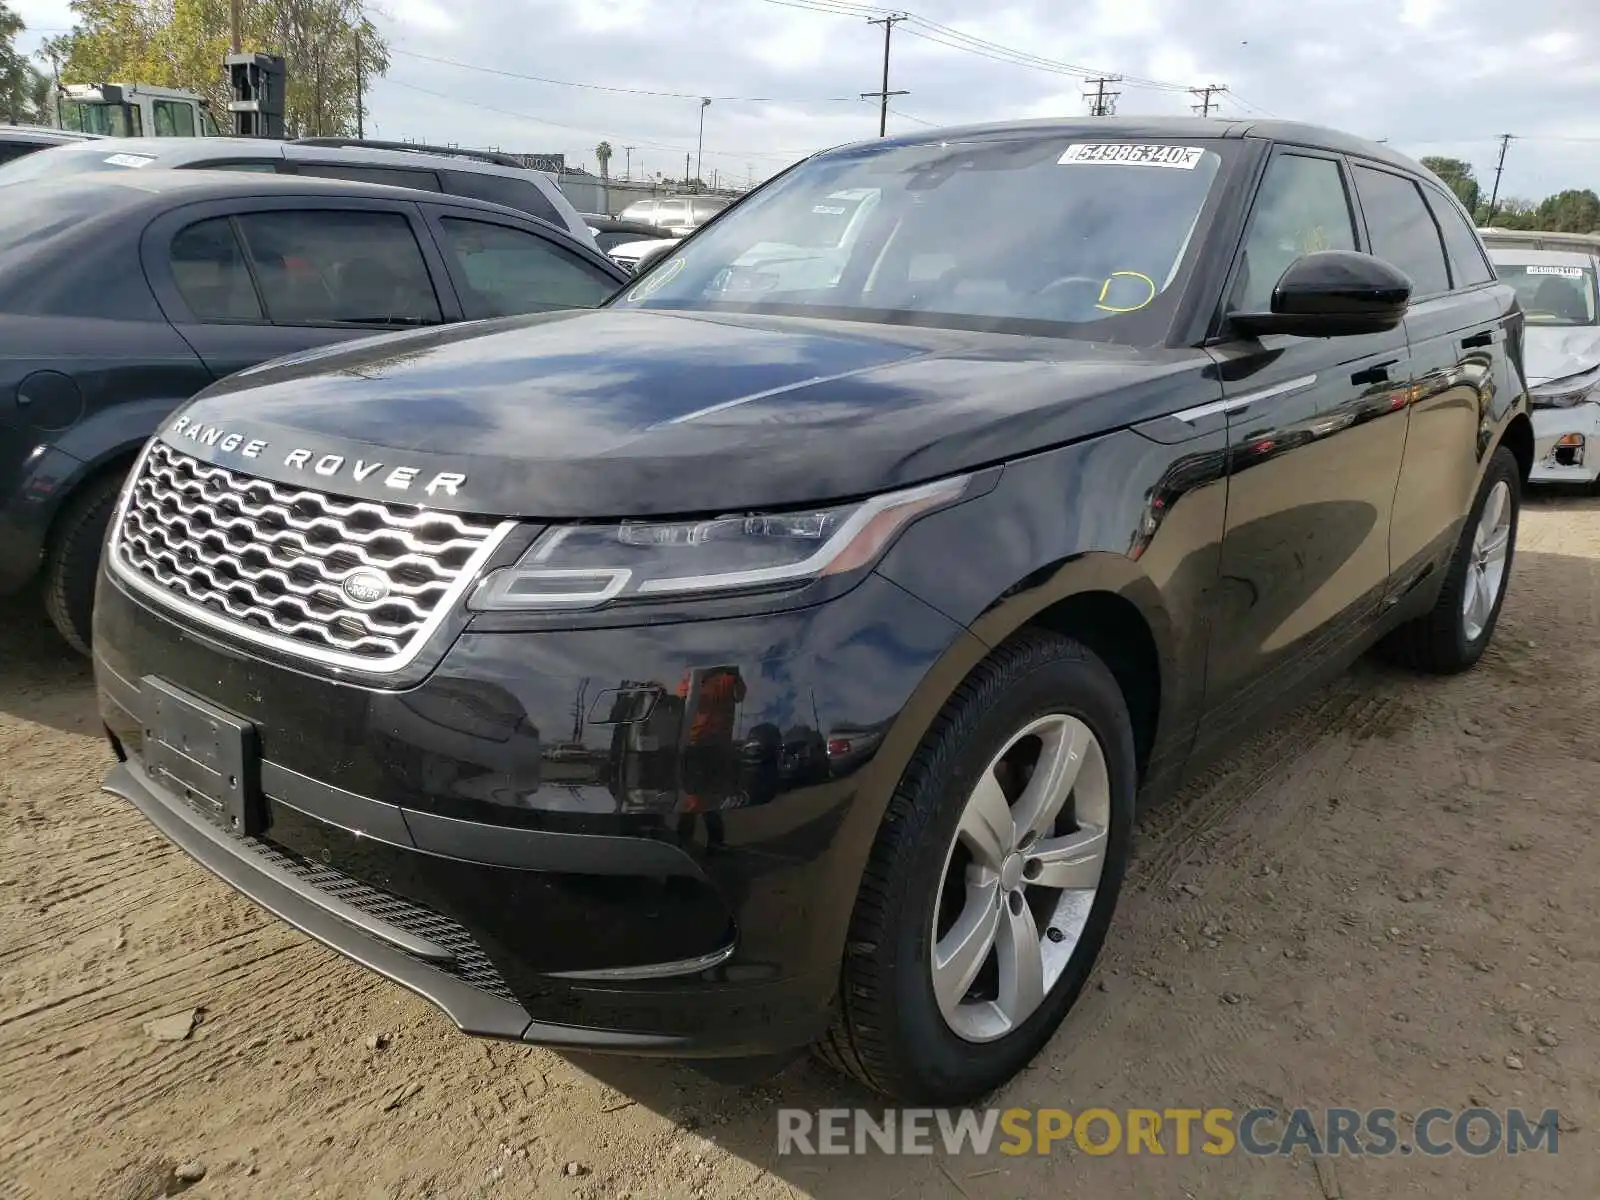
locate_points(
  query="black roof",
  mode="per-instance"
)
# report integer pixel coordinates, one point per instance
(1113, 128)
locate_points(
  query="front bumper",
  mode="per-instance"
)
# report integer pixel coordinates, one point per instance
(523, 842)
(1557, 462)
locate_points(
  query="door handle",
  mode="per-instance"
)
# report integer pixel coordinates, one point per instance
(1485, 337)
(1376, 373)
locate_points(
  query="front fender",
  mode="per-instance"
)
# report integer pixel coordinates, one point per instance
(57, 466)
(1124, 515)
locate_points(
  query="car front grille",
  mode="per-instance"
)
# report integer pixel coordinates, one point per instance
(268, 558)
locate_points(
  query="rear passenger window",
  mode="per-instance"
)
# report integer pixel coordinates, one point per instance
(209, 268)
(520, 194)
(1468, 266)
(1402, 229)
(332, 267)
(1301, 209)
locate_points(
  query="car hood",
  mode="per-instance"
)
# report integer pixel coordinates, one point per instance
(1556, 353)
(604, 413)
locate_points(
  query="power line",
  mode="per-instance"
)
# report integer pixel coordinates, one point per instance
(788, 155)
(605, 87)
(955, 39)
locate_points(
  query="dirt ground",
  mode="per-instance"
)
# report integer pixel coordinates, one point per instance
(1386, 900)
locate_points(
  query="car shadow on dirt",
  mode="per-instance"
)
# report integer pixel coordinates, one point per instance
(42, 679)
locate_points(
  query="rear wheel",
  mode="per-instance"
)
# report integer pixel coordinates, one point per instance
(1453, 635)
(993, 878)
(72, 560)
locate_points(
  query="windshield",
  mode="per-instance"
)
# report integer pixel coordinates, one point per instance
(1036, 235)
(96, 116)
(1553, 294)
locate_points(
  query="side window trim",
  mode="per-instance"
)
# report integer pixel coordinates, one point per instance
(1358, 232)
(1385, 169)
(250, 269)
(1432, 195)
(170, 238)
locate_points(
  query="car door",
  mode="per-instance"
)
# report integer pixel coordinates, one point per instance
(501, 269)
(1456, 327)
(1316, 433)
(253, 279)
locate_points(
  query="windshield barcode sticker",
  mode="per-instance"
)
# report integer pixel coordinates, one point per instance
(129, 160)
(1567, 272)
(1131, 154)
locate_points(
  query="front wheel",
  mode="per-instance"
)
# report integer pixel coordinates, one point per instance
(993, 878)
(72, 560)
(1453, 635)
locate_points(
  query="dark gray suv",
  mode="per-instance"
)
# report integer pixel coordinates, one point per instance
(481, 175)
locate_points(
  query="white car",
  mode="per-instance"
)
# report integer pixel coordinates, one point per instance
(628, 254)
(1559, 295)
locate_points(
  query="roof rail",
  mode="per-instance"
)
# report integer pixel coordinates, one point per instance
(488, 156)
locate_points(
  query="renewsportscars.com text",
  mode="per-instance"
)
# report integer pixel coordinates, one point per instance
(1169, 1131)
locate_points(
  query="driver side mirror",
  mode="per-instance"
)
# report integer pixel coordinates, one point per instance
(1332, 293)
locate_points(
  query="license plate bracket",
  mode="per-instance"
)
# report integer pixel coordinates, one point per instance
(206, 755)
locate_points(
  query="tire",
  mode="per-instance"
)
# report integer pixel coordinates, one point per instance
(889, 1030)
(1446, 640)
(72, 560)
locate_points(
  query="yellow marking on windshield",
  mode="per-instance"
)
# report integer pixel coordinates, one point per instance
(1106, 288)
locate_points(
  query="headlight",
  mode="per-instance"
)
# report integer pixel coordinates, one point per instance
(1567, 393)
(587, 566)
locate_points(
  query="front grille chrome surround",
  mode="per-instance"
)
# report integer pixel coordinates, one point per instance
(267, 562)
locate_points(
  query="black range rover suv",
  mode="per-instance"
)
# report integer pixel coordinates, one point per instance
(772, 657)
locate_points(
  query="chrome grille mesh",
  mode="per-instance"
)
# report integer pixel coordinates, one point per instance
(275, 557)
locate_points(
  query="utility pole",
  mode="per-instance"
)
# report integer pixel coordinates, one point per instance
(1101, 102)
(1494, 194)
(1206, 102)
(627, 163)
(685, 168)
(884, 93)
(705, 103)
(234, 21)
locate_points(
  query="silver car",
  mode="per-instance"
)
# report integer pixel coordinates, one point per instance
(1562, 302)
(676, 215)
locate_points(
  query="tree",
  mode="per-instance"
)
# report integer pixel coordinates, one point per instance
(1457, 175)
(1512, 212)
(19, 82)
(181, 43)
(602, 154)
(1571, 211)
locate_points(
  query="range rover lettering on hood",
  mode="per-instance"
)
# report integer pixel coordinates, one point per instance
(324, 466)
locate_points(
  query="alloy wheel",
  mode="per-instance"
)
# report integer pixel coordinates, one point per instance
(1020, 877)
(1486, 569)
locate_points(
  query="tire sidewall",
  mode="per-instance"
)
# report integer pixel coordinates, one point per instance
(1502, 469)
(1080, 687)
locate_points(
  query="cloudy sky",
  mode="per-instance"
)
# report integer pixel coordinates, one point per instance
(1430, 76)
